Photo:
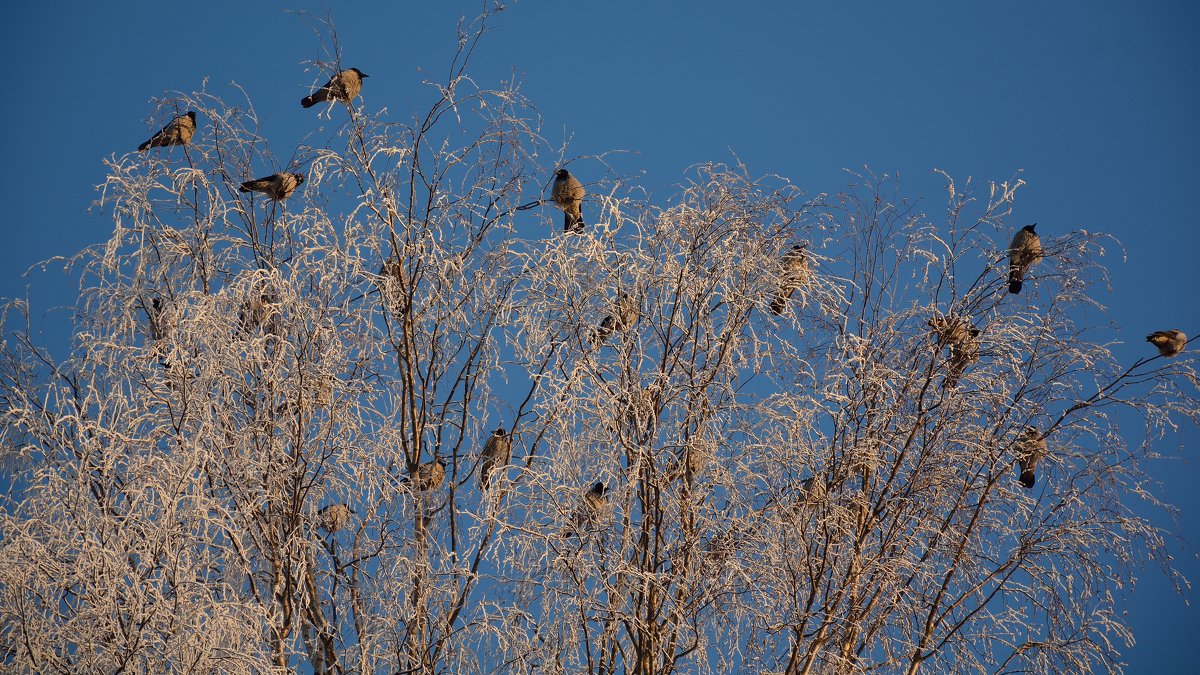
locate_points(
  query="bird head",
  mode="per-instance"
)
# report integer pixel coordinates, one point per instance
(598, 489)
(1029, 228)
(361, 74)
(562, 173)
(799, 247)
(499, 432)
(299, 178)
(192, 114)
(156, 303)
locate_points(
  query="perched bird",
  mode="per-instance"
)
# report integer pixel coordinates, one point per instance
(341, 87)
(430, 475)
(949, 329)
(496, 454)
(1169, 342)
(1031, 448)
(963, 340)
(625, 313)
(155, 327)
(334, 517)
(277, 186)
(794, 275)
(595, 501)
(568, 195)
(177, 132)
(1025, 250)
(963, 353)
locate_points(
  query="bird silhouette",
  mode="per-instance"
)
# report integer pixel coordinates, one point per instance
(341, 87)
(592, 506)
(1031, 448)
(625, 313)
(277, 186)
(496, 454)
(1169, 342)
(568, 194)
(430, 475)
(794, 275)
(1025, 250)
(334, 517)
(178, 131)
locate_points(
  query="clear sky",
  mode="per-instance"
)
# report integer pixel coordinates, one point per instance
(1097, 102)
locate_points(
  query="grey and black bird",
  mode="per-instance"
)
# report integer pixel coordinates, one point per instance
(1030, 448)
(341, 87)
(793, 276)
(178, 131)
(568, 194)
(593, 505)
(496, 454)
(1025, 250)
(277, 186)
(334, 517)
(430, 475)
(1169, 342)
(963, 340)
(624, 314)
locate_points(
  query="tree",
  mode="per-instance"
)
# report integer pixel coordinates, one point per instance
(236, 467)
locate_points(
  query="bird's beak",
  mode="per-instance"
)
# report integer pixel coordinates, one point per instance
(363, 75)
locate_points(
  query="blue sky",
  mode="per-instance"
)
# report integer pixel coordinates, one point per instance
(1097, 103)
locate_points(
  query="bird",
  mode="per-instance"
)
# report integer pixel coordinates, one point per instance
(334, 517)
(177, 132)
(625, 313)
(640, 412)
(963, 353)
(277, 186)
(595, 501)
(429, 476)
(1031, 448)
(1169, 342)
(341, 87)
(1025, 250)
(794, 275)
(155, 328)
(496, 454)
(568, 195)
(963, 340)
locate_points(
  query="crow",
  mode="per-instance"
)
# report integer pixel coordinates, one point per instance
(341, 87)
(277, 186)
(1025, 250)
(794, 275)
(568, 195)
(1169, 342)
(177, 132)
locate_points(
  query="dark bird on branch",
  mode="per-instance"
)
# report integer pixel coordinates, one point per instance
(1031, 448)
(1025, 250)
(1169, 342)
(178, 131)
(794, 265)
(624, 314)
(341, 87)
(277, 186)
(568, 195)
(593, 505)
(496, 454)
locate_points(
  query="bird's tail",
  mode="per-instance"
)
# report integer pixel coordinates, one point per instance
(1028, 479)
(308, 101)
(254, 186)
(144, 146)
(779, 302)
(1015, 281)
